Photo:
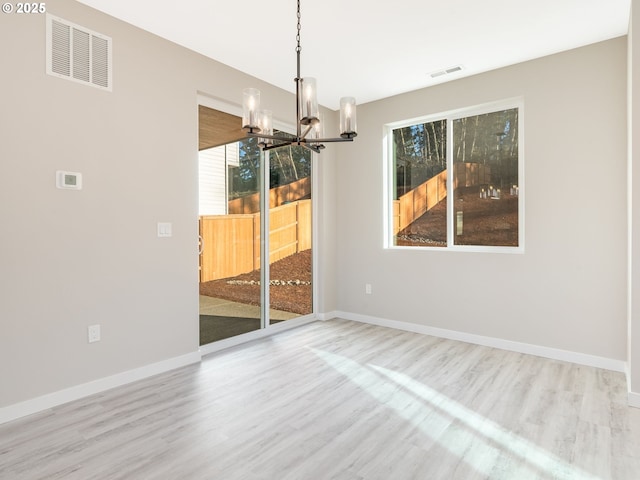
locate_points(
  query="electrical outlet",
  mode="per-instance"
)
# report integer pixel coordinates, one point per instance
(93, 333)
(367, 288)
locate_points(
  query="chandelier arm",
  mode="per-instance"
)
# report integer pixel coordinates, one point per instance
(306, 132)
(279, 138)
(271, 147)
(329, 140)
(300, 140)
(314, 148)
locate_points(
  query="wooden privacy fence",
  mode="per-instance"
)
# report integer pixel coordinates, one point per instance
(277, 196)
(231, 243)
(470, 174)
(415, 203)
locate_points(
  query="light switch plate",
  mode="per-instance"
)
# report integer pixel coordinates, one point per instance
(164, 229)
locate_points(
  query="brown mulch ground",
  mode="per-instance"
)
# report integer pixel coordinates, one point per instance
(486, 221)
(288, 298)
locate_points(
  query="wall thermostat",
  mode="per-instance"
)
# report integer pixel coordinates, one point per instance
(69, 180)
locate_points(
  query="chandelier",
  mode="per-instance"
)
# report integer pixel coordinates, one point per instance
(309, 129)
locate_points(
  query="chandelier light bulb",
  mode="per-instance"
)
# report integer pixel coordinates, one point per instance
(250, 107)
(310, 108)
(266, 128)
(348, 127)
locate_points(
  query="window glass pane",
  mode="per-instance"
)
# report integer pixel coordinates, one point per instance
(485, 176)
(244, 176)
(420, 185)
(290, 255)
(229, 265)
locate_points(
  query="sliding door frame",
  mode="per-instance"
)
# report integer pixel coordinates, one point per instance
(265, 327)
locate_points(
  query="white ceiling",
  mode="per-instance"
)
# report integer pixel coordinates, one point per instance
(373, 49)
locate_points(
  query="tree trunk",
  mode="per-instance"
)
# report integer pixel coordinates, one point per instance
(277, 154)
(464, 140)
(436, 146)
(293, 165)
(475, 136)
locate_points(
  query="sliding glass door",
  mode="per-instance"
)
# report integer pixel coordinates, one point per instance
(290, 289)
(230, 225)
(244, 192)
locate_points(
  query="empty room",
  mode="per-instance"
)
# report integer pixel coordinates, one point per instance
(320, 240)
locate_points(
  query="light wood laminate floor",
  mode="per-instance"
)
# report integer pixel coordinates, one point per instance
(341, 400)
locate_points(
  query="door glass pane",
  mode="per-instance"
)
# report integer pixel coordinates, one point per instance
(290, 289)
(485, 168)
(420, 181)
(230, 240)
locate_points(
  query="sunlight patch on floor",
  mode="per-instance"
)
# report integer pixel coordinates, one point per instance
(476, 440)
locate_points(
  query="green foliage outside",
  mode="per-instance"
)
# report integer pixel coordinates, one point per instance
(420, 154)
(421, 150)
(287, 164)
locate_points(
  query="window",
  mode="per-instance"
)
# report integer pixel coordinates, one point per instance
(456, 180)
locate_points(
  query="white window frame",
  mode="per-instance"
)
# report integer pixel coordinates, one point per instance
(450, 116)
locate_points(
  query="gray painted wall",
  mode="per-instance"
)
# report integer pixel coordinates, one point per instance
(567, 291)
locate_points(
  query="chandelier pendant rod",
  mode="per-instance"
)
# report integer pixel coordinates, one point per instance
(298, 78)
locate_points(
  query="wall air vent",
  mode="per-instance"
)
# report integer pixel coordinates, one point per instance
(78, 54)
(446, 71)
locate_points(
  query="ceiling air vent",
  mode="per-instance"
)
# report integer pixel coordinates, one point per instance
(78, 54)
(446, 71)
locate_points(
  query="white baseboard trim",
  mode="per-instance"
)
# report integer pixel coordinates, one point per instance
(327, 315)
(257, 334)
(634, 399)
(45, 402)
(540, 351)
